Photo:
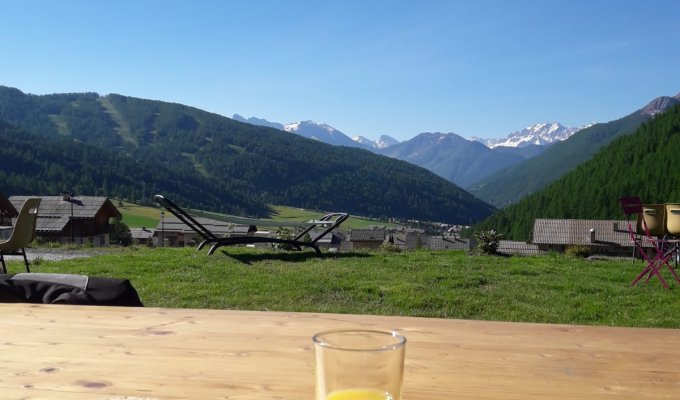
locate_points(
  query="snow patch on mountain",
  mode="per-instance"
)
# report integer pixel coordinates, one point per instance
(537, 134)
(383, 142)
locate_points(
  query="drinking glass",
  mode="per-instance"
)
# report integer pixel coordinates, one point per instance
(356, 364)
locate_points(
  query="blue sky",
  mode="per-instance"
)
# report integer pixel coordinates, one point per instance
(366, 67)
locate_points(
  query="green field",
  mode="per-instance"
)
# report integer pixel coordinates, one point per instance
(136, 216)
(550, 289)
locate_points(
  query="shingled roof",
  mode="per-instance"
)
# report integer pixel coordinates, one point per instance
(54, 212)
(577, 231)
(367, 235)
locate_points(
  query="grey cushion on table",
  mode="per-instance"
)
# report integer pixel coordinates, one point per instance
(79, 281)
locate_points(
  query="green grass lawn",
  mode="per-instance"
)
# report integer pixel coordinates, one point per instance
(551, 289)
(136, 216)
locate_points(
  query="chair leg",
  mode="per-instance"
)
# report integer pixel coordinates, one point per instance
(23, 252)
(2, 260)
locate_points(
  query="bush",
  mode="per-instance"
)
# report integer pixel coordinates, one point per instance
(488, 241)
(120, 233)
(389, 248)
(578, 251)
(285, 234)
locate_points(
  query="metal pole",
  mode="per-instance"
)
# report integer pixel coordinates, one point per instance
(162, 228)
(73, 238)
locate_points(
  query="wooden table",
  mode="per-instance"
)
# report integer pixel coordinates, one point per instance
(69, 352)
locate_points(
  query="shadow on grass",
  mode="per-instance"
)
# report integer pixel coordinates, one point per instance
(296, 256)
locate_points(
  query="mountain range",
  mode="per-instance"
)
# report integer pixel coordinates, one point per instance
(448, 155)
(132, 148)
(505, 170)
(537, 134)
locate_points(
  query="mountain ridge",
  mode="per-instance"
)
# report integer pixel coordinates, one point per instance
(537, 134)
(508, 186)
(218, 163)
(633, 164)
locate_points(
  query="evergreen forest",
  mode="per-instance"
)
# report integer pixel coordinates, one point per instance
(132, 148)
(510, 185)
(641, 164)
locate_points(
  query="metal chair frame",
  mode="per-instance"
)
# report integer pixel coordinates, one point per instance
(330, 221)
(664, 249)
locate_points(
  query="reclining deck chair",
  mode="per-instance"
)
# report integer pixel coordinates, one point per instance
(23, 233)
(650, 227)
(329, 222)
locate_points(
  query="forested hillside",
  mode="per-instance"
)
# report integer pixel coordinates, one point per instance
(132, 148)
(510, 185)
(643, 164)
(32, 164)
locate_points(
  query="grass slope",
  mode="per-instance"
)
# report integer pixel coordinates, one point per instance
(548, 289)
(136, 216)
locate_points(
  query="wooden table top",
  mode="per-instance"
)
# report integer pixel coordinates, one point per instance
(71, 352)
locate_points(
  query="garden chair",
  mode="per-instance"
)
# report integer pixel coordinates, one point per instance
(650, 226)
(22, 234)
(328, 222)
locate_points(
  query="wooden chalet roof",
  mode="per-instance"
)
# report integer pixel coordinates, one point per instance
(367, 235)
(141, 233)
(55, 212)
(577, 231)
(7, 209)
(442, 243)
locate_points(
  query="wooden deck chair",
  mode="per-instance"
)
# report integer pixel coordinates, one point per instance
(328, 223)
(643, 234)
(23, 233)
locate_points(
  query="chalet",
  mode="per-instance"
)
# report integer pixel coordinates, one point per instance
(142, 236)
(601, 237)
(331, 241)
(367, 238)
(448, 243)
(173, 232)
(407, 240)
(66, 219)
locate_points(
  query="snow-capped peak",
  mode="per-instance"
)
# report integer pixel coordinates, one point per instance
(383, 142)
(297, 127)
(537, 134)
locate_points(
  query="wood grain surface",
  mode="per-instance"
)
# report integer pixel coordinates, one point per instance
(70, 352)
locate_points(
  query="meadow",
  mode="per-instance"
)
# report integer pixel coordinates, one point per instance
(136, 216)
(440, 284)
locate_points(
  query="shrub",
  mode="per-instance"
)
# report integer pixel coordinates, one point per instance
(285, 234)
(488, 241)
(578, 251)
(389, 248)
(119, 233)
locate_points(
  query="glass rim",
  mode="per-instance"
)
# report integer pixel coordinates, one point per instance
(400, 340)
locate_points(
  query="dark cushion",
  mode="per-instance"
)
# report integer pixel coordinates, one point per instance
(67, 289)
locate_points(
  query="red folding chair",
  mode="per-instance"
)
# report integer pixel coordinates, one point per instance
(650, 224)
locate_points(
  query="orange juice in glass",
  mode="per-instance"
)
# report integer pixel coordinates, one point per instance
(359, 364)
(359, 394)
